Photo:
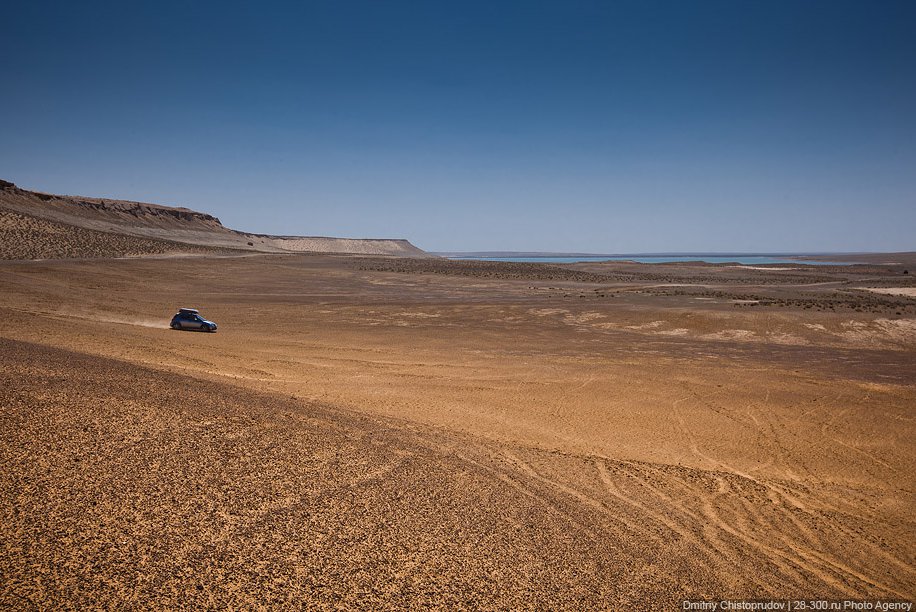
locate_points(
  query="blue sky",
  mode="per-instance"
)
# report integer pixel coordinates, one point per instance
(567, 126)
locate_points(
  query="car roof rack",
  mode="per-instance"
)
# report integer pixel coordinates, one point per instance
(189, 310)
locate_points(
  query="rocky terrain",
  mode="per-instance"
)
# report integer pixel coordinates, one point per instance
(123, 228)
(375, 433)
(28, 237)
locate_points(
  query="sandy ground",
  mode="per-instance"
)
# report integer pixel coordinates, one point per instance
(907, 291)
(393, 433)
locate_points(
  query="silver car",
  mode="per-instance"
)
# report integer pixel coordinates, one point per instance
(189, 318)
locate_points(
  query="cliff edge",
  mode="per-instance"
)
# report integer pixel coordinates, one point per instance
(28, 216)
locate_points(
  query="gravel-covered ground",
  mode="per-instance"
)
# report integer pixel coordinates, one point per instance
(355, 437)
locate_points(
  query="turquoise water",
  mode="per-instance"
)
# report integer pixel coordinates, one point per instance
(751, 260)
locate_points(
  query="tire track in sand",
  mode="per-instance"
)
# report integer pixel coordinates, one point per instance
(823, 567)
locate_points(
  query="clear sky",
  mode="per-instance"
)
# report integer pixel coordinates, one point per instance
(639, 126)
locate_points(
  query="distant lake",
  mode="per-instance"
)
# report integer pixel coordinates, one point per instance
(752, 260)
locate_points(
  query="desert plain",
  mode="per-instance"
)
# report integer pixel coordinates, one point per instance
(379, 432)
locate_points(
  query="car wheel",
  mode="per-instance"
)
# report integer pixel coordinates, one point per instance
(175, 326)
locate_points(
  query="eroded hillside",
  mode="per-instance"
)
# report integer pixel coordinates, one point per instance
(39, 225)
